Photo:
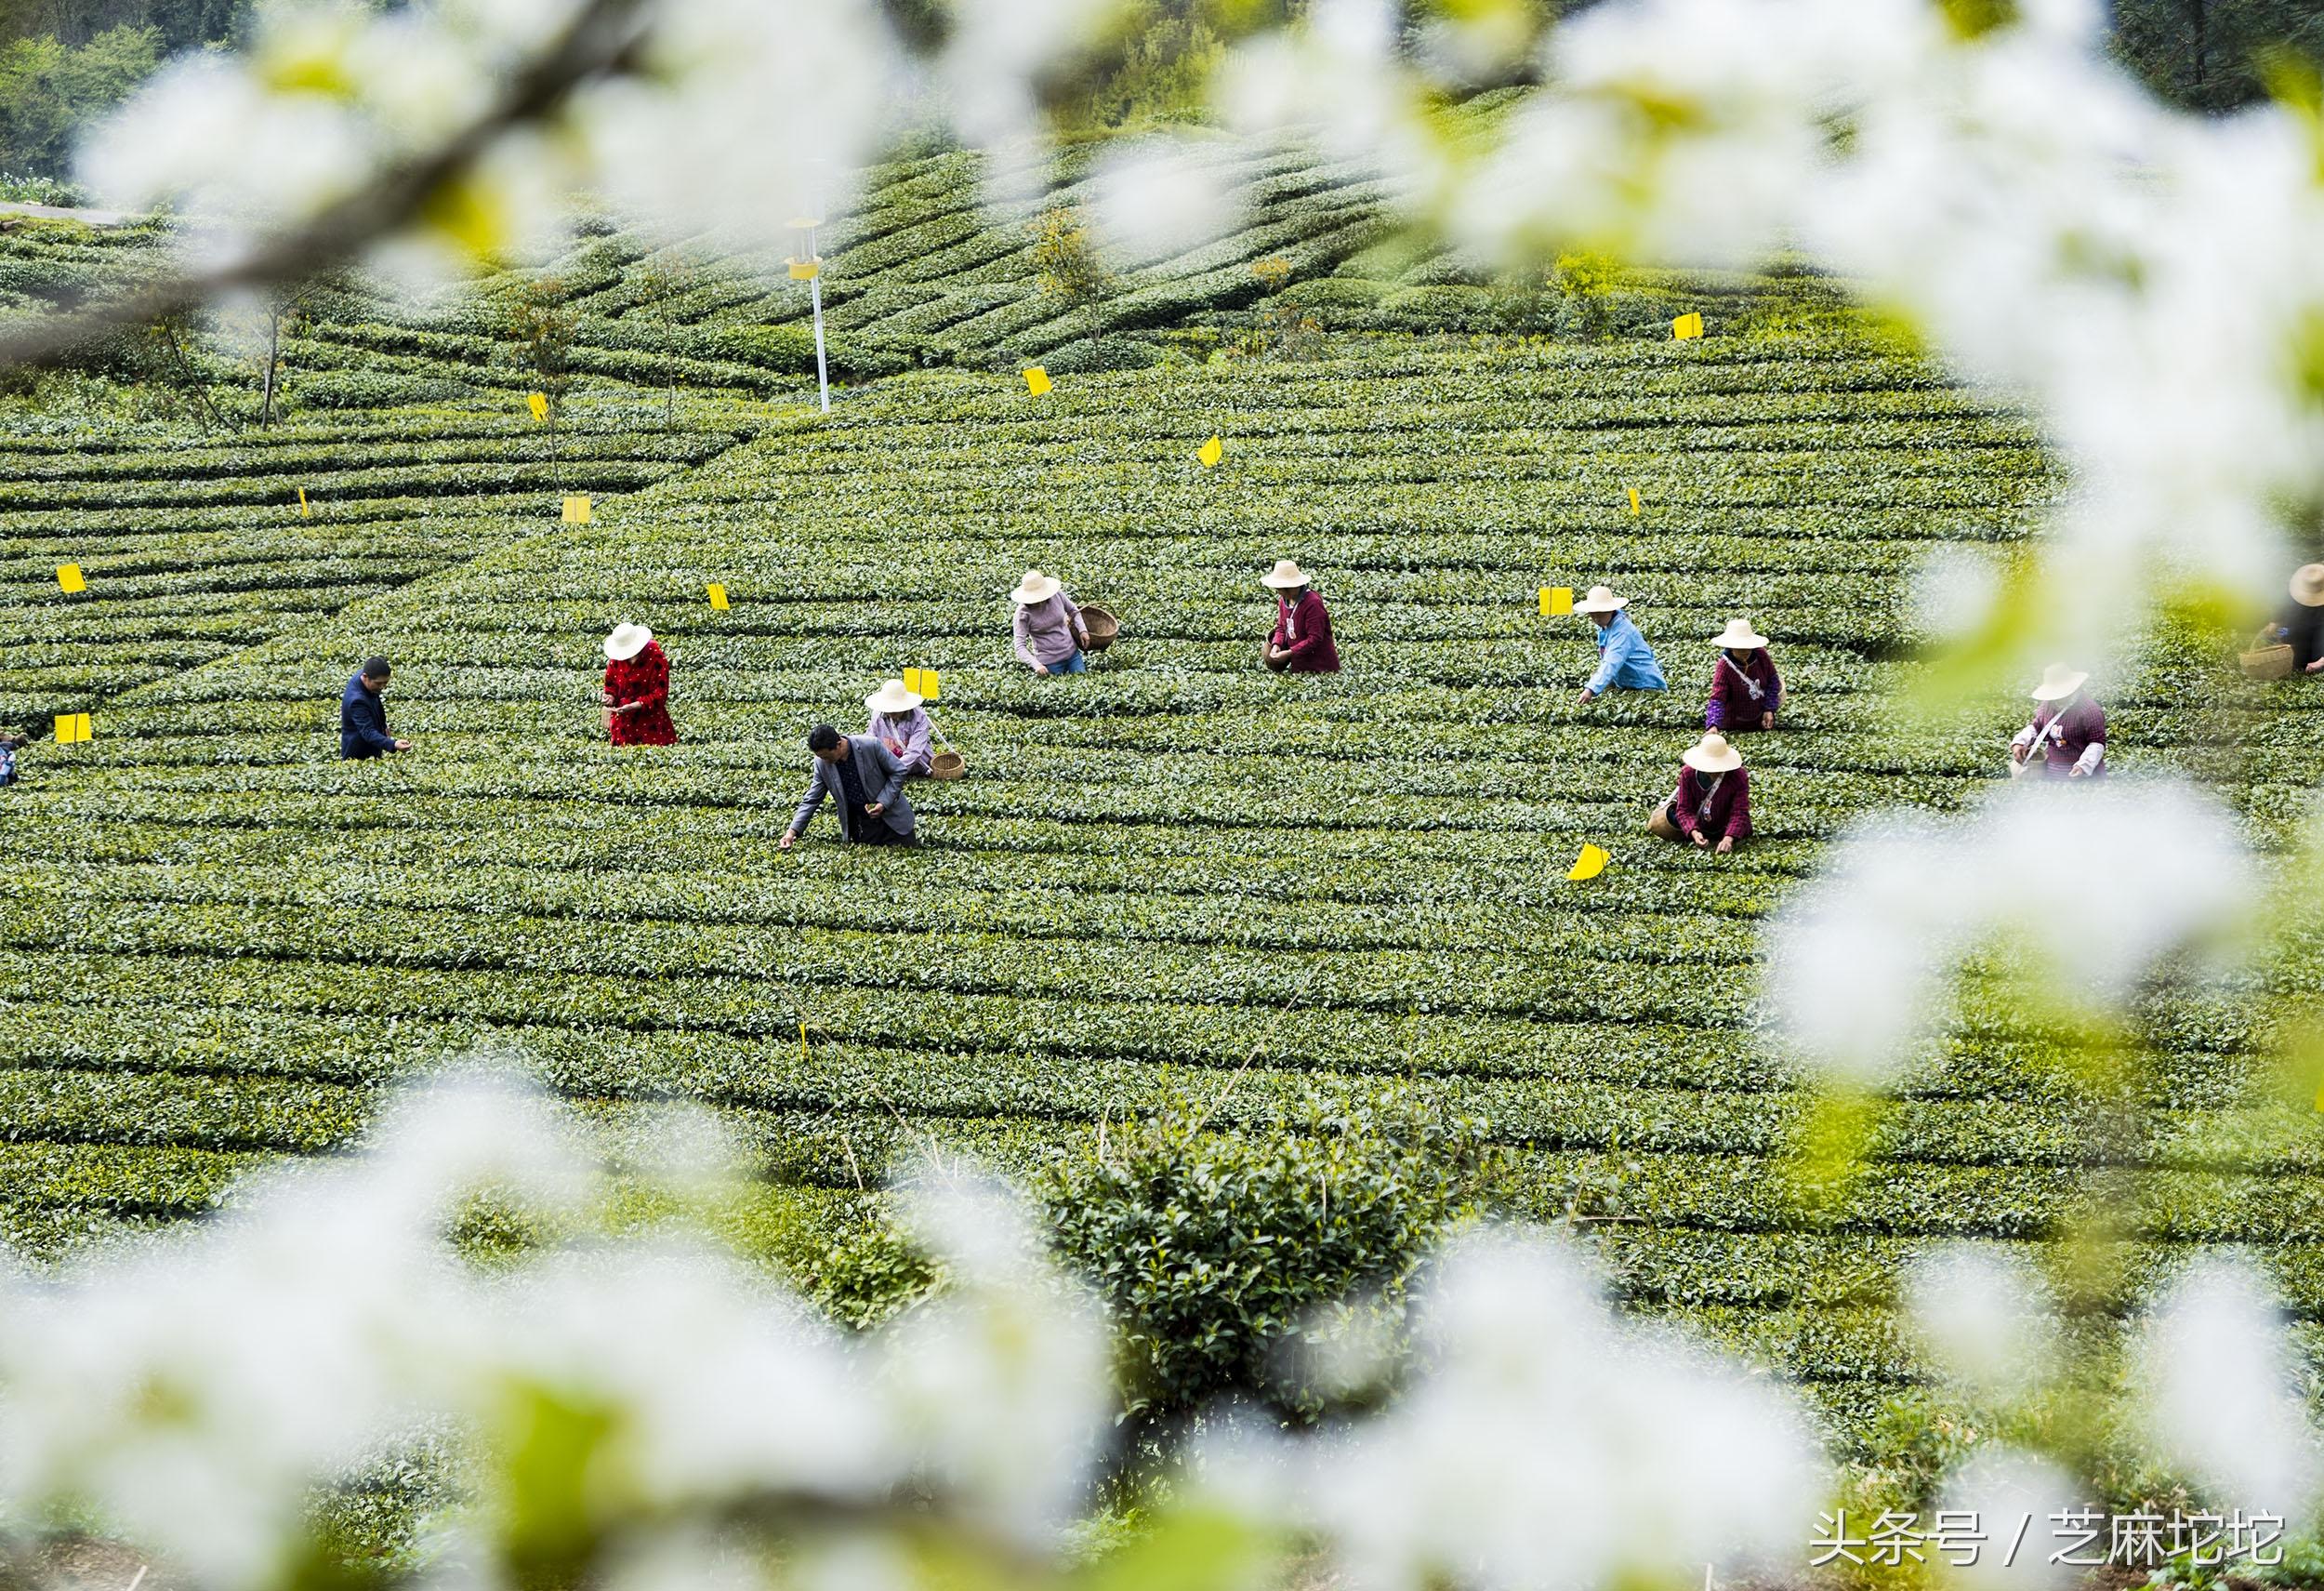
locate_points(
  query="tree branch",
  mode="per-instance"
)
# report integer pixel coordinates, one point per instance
(602, 39)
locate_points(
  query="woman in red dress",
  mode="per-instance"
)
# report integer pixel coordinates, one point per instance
(637, 689)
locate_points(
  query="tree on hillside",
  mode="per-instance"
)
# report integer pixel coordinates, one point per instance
(537, 319)
(1066, 257)
(2215, 55)
(50, 92)
(258, 329)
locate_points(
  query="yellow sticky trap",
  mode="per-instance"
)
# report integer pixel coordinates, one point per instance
(72, 727)
(1686, 325)
(717, 598)
(930, 686)
(69, 578)
(577, 511)
(538, 403)
(1633, 500)
(1557, 599)
(1211, 452)
(1036, 380)
(1590, 864)
(805, 269)
(802, 1043)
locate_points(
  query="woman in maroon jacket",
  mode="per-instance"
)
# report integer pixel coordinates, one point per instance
(1301, 642)
(1713, 805)
(637, 689)
(1745, 688)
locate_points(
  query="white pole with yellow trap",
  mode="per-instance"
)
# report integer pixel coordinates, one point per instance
(808, 267)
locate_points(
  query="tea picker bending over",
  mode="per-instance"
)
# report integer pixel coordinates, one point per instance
(637, 689)
(1625, 661)
(1050, 637)
(1711, 807)
(1745, 688)
(900, 723)
(866, 785)
(363, 718)
(1301, 642)
(2068, 736)
(2301, 625)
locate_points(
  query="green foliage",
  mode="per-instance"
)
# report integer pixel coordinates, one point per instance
(50, 92)
(1218, 1252)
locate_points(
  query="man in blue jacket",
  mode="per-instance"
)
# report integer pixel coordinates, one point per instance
(363, 718)
(1624, 659)
(864, 782)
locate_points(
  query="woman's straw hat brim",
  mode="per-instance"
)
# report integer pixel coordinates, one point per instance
(892, 698)
(1036, 588)
(2058, 682)
(1740, 637)
(1601, 599)
(626, 641)
(1285, 574)
(1712, 755)
(2307, 585)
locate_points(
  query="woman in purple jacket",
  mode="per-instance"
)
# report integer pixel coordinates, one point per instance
(1712, 808)
(1745, 688)
(1301, 642)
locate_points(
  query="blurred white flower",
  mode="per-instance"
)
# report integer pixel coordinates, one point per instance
(2100, 882)
(1545, 1444)
(1001, 1381)
(2008, 1497)
(1156, 199)
(2221, 1391)
(1952, 590)
(1985, 1313)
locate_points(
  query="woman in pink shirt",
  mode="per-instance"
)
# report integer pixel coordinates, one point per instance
(900, 723)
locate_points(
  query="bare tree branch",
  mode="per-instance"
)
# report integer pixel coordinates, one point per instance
(602, 39)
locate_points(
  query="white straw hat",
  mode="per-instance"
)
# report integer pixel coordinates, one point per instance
(1712, 756)
(1036, 588)
(1740, 637)
(626, 641)
(1285, 575)
(2307, 585)
(892, 698)
(1601, 600)
(2058, 682)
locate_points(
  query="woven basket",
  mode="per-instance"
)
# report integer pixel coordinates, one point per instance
(2268, 663)
(1101, 626)
(947, 765)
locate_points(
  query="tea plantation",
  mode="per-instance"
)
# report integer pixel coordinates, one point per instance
(1176, 872)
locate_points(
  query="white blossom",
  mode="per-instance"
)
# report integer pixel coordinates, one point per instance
(2221, 1390)
(1986, 1315)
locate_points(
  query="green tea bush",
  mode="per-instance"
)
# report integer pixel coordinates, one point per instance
(1220, 1252)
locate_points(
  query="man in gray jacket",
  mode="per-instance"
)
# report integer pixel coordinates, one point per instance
(867, 784)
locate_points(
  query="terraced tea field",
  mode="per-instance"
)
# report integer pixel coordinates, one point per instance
(1178, 871)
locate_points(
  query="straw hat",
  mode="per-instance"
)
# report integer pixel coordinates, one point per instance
(1285, 575)
(1036, 588)
(2307, 585)
(2058, 682)
(626, 641)
(892, 698)
(1739, 636)
(1601, 600)
(1713, 756)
